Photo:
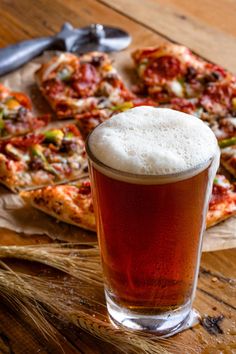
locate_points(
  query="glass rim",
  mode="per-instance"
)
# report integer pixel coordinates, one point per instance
(162, 178)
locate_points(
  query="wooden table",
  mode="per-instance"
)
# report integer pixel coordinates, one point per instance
(208, 28)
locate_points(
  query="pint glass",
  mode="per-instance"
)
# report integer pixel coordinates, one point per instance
(150, 233)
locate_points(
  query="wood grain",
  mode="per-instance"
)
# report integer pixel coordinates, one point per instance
(17, 337)
(185, 27)
(42, 18)
(207, 27)
(207, 12)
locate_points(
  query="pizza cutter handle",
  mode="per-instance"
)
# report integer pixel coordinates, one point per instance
(13, 56)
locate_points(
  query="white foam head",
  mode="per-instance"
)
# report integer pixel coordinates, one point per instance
(153, 141)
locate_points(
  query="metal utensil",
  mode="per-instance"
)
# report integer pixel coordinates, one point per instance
(95, 37)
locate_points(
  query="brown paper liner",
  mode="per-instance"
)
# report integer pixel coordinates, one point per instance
(24, 219)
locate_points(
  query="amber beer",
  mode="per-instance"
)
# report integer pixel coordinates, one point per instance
(150, 227)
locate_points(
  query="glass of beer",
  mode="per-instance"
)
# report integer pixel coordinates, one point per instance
(152, 171)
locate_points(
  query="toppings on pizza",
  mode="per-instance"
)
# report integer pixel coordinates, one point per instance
(218, 97)
(77, 85)
(71, 203)
(53, 156)
(173, 74)
(184, 105)
(227, 142)
(88, 121)
(223, 201)
(16, 116)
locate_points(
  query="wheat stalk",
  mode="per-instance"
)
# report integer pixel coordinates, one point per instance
(68, 298)
(62, 257)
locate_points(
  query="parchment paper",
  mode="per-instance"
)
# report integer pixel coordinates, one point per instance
(14, 215)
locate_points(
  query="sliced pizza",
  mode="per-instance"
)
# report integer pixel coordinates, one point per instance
(53, 156)
(16, 117)
(223, 201)
(71, 203)
(75, 85)
(173, 71)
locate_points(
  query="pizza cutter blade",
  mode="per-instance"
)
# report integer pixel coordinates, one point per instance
(103, 39)
(95, 37)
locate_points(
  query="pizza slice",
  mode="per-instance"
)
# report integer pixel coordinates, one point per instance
(173, 71)
(53, 156)
(77, 85)
(16, 117)
(71, 203)
(223, 201)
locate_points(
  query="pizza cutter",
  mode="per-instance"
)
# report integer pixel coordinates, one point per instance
(95, 37)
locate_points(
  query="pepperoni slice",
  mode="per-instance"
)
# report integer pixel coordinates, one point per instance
(85, 79)
(217, 96)
(28, 140)
(88, 73)
(22, 142)
(85, 188)
(54, 87)
(165, 67)
(183, 105)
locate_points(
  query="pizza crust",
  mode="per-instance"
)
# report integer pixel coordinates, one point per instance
(54, 201)
(220, 214)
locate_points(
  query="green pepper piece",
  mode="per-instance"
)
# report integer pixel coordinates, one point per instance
(1, 112)
(65, 74)
(54, 136)
(227, 142)
(37, 151)
(123, 107)
(69, 135)
(2, 123)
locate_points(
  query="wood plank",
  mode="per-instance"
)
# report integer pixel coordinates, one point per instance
(218, 288)
(208, 12)
(31, 19)
(220, 263)
(167, 19)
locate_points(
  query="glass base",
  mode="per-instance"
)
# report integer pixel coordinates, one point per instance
(163, 324)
